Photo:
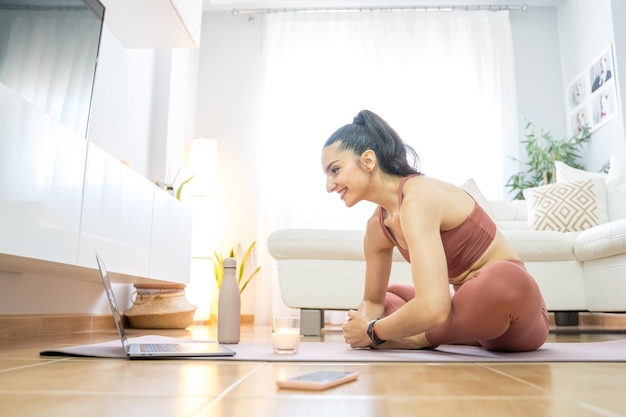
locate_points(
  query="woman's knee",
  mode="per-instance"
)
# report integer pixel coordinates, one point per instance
(397, 296)
(404, 291)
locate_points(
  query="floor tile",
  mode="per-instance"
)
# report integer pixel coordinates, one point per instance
(203, 378)
(60, 404)
(31, 385)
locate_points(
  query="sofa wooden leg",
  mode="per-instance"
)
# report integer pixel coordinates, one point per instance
(311, 322)
(566, 318)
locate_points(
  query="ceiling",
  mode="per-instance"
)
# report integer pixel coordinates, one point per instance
(217, 5)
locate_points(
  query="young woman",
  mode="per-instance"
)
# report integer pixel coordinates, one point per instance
(448, 239)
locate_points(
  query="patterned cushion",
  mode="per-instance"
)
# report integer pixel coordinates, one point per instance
(567, 207)
(615, 182)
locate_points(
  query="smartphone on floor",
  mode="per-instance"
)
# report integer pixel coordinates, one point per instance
(319, 380)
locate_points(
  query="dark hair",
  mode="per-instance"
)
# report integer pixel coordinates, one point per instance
(370, 131)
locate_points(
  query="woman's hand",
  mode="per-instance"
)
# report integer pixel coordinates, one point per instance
(355, 330)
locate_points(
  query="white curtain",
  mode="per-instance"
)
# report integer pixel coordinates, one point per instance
(443, 80)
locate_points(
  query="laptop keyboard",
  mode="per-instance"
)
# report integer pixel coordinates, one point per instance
(160, 348)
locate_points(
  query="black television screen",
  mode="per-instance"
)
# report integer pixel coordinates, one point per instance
(48, 55)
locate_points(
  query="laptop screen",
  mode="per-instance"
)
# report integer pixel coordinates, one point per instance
(109, 292)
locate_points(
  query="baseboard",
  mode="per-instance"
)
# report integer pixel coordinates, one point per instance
(597, 320)
(245, 319)
(13, 326)
(35, 325)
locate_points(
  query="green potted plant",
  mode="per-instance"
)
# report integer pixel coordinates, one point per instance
(243, 279)
(541, 151)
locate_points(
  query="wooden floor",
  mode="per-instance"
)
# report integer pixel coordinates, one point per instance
(34, 386)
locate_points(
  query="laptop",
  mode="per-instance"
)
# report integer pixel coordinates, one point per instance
(156, 350)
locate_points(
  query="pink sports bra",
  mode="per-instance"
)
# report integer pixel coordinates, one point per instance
(463, 244)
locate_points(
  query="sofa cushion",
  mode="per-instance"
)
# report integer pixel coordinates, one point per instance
(325, 244)
(536, 246)
(601, 241)
(510, 215)
(316, 244)
(567, 207)
(615, 182)
(566, 173)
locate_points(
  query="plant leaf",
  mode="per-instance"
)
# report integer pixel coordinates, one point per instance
(179, 190)
(244, 260)
(218, 268)
(218, 265)
(541, 152)
(245, 284)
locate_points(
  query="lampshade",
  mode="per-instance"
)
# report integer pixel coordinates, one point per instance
(201, 195)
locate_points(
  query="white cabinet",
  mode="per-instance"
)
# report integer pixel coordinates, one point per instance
(136, 227)
(41, 180)
(116, 218)
(62, 199)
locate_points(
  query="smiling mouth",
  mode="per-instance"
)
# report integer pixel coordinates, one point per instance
(342, 193)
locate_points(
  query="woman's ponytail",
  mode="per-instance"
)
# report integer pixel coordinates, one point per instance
(370, 131)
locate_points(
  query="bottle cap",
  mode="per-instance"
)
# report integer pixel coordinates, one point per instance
(230, 263)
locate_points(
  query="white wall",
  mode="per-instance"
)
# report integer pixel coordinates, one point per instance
(122, 97)
(230, 92)
(230, 88)
(585, 30)
(619, 15)
(36, 294)
(143, 108)
(538, 70)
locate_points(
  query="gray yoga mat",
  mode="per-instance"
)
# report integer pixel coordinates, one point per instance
(609, 351)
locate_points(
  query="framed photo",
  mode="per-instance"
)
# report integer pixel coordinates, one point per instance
(601, 70)
(583, 116)
(578, 91)
(592, 96)
(604, 106)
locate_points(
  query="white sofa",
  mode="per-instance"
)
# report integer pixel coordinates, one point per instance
(586, 271)
(577, 271)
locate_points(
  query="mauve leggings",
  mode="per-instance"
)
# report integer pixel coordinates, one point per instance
(500, 308)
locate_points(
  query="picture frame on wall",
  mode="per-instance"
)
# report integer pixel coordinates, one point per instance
(578, 90)
(583, 116)
(601, 71)
(592, 95)
(604, 106)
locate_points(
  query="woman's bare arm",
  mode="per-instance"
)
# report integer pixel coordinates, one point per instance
(378, 251)
(421, 216)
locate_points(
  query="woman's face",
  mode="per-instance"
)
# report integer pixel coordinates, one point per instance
(344, 174)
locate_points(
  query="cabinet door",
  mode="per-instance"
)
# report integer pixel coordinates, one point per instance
(42, 164)
(116, 218)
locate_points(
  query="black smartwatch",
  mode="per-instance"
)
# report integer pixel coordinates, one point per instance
(372, 333)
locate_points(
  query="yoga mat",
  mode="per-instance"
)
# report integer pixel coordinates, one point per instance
(610, 351)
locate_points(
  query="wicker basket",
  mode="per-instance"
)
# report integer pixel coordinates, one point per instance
(160, 308)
